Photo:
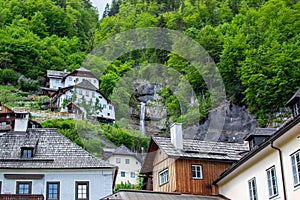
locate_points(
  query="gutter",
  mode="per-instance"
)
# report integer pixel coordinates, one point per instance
(281, 166)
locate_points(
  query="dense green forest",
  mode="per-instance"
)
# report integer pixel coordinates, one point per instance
(255, 44)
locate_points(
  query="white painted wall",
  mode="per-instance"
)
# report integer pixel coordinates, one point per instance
(133, 166)
(73, 80)
(100, 182)
(56, 83)
(235, 186)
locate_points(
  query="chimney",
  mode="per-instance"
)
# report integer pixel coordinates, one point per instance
(21, 121)
(176, 135)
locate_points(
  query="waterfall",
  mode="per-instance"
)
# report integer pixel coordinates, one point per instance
(142, 117)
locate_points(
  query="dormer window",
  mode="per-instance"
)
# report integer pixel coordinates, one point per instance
(27, 152)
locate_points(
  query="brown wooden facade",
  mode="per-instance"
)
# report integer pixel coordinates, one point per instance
(180, 174)
(7, 118)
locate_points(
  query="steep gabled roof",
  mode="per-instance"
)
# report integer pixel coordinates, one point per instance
(56, 74)
(121, 150)
(197, 149)
(260, 132)
(82, 72)
(194, 150)
(52, 151)
(294, 98)
(85, 84)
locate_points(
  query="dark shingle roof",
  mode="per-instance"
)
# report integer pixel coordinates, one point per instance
(121, 150)
(261, 132)
(52, 151)
(294, 98)
(196, 149)
(85, 84)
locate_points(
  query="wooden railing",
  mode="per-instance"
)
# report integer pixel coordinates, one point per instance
(21, 197)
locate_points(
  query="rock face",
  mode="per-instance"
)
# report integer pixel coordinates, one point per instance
(237, 121)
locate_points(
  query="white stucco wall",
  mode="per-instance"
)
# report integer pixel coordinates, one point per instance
(56, 83)
(100, 182)
(133, 166)
(72, 80)
(235, 185)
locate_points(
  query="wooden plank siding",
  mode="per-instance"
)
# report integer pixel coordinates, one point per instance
(211, 171)
(161, 162)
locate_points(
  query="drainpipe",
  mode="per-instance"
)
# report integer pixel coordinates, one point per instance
(282, 172)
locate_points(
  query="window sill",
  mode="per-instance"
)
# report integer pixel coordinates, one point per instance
(297, 187)
(274, 197)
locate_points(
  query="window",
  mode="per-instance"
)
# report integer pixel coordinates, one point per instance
(94, 81)
(24, 187)
(132, 174)
(296, 110)
(272, 182)
(127, 161)
(123, 174)
(26, 152)
(70, 78)
(104, 106)
(118, 160)
(80, 91)
(0, 186)
(8, 116)
(82, 190)
(163, 177)
(53, 190)
(93, 94)
(197, 172)
(87, 93)
(252, 189)
(0, 108)
(56, 80)
(295, 158)
(110, 107)
(3, 125)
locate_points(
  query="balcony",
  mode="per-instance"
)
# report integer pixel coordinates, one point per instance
(5, 127)
(21, 197)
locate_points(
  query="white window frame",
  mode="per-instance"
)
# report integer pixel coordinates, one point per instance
(132, 174)
(118, 160)
(123, 174)
(295, 162)
(252, 189)
(296, 109)
(197, 169)
(272, 182)
(163, 177)
(127, 161)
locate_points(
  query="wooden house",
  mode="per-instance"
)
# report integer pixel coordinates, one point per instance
(7, 118)
(186, 165)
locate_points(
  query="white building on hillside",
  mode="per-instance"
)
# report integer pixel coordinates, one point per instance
(78, 92)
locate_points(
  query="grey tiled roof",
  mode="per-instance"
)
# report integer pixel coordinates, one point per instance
(85, 84)
(261, 132)
(52, 151)
(61, 74)
(150, 195)
(196, 149)
(121, 150)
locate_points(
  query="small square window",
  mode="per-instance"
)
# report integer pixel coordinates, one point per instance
(132, 174)
(163, 177)
(53, 190)
(122, 174)
(24, 187)
(26, 152)
(118, 160)
(127, 161)
(82, 190)
(197, 172)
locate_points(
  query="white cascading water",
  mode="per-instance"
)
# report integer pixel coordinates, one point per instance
(142, 117)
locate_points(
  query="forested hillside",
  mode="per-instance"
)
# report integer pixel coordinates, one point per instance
(37, 35)
(255, 44)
